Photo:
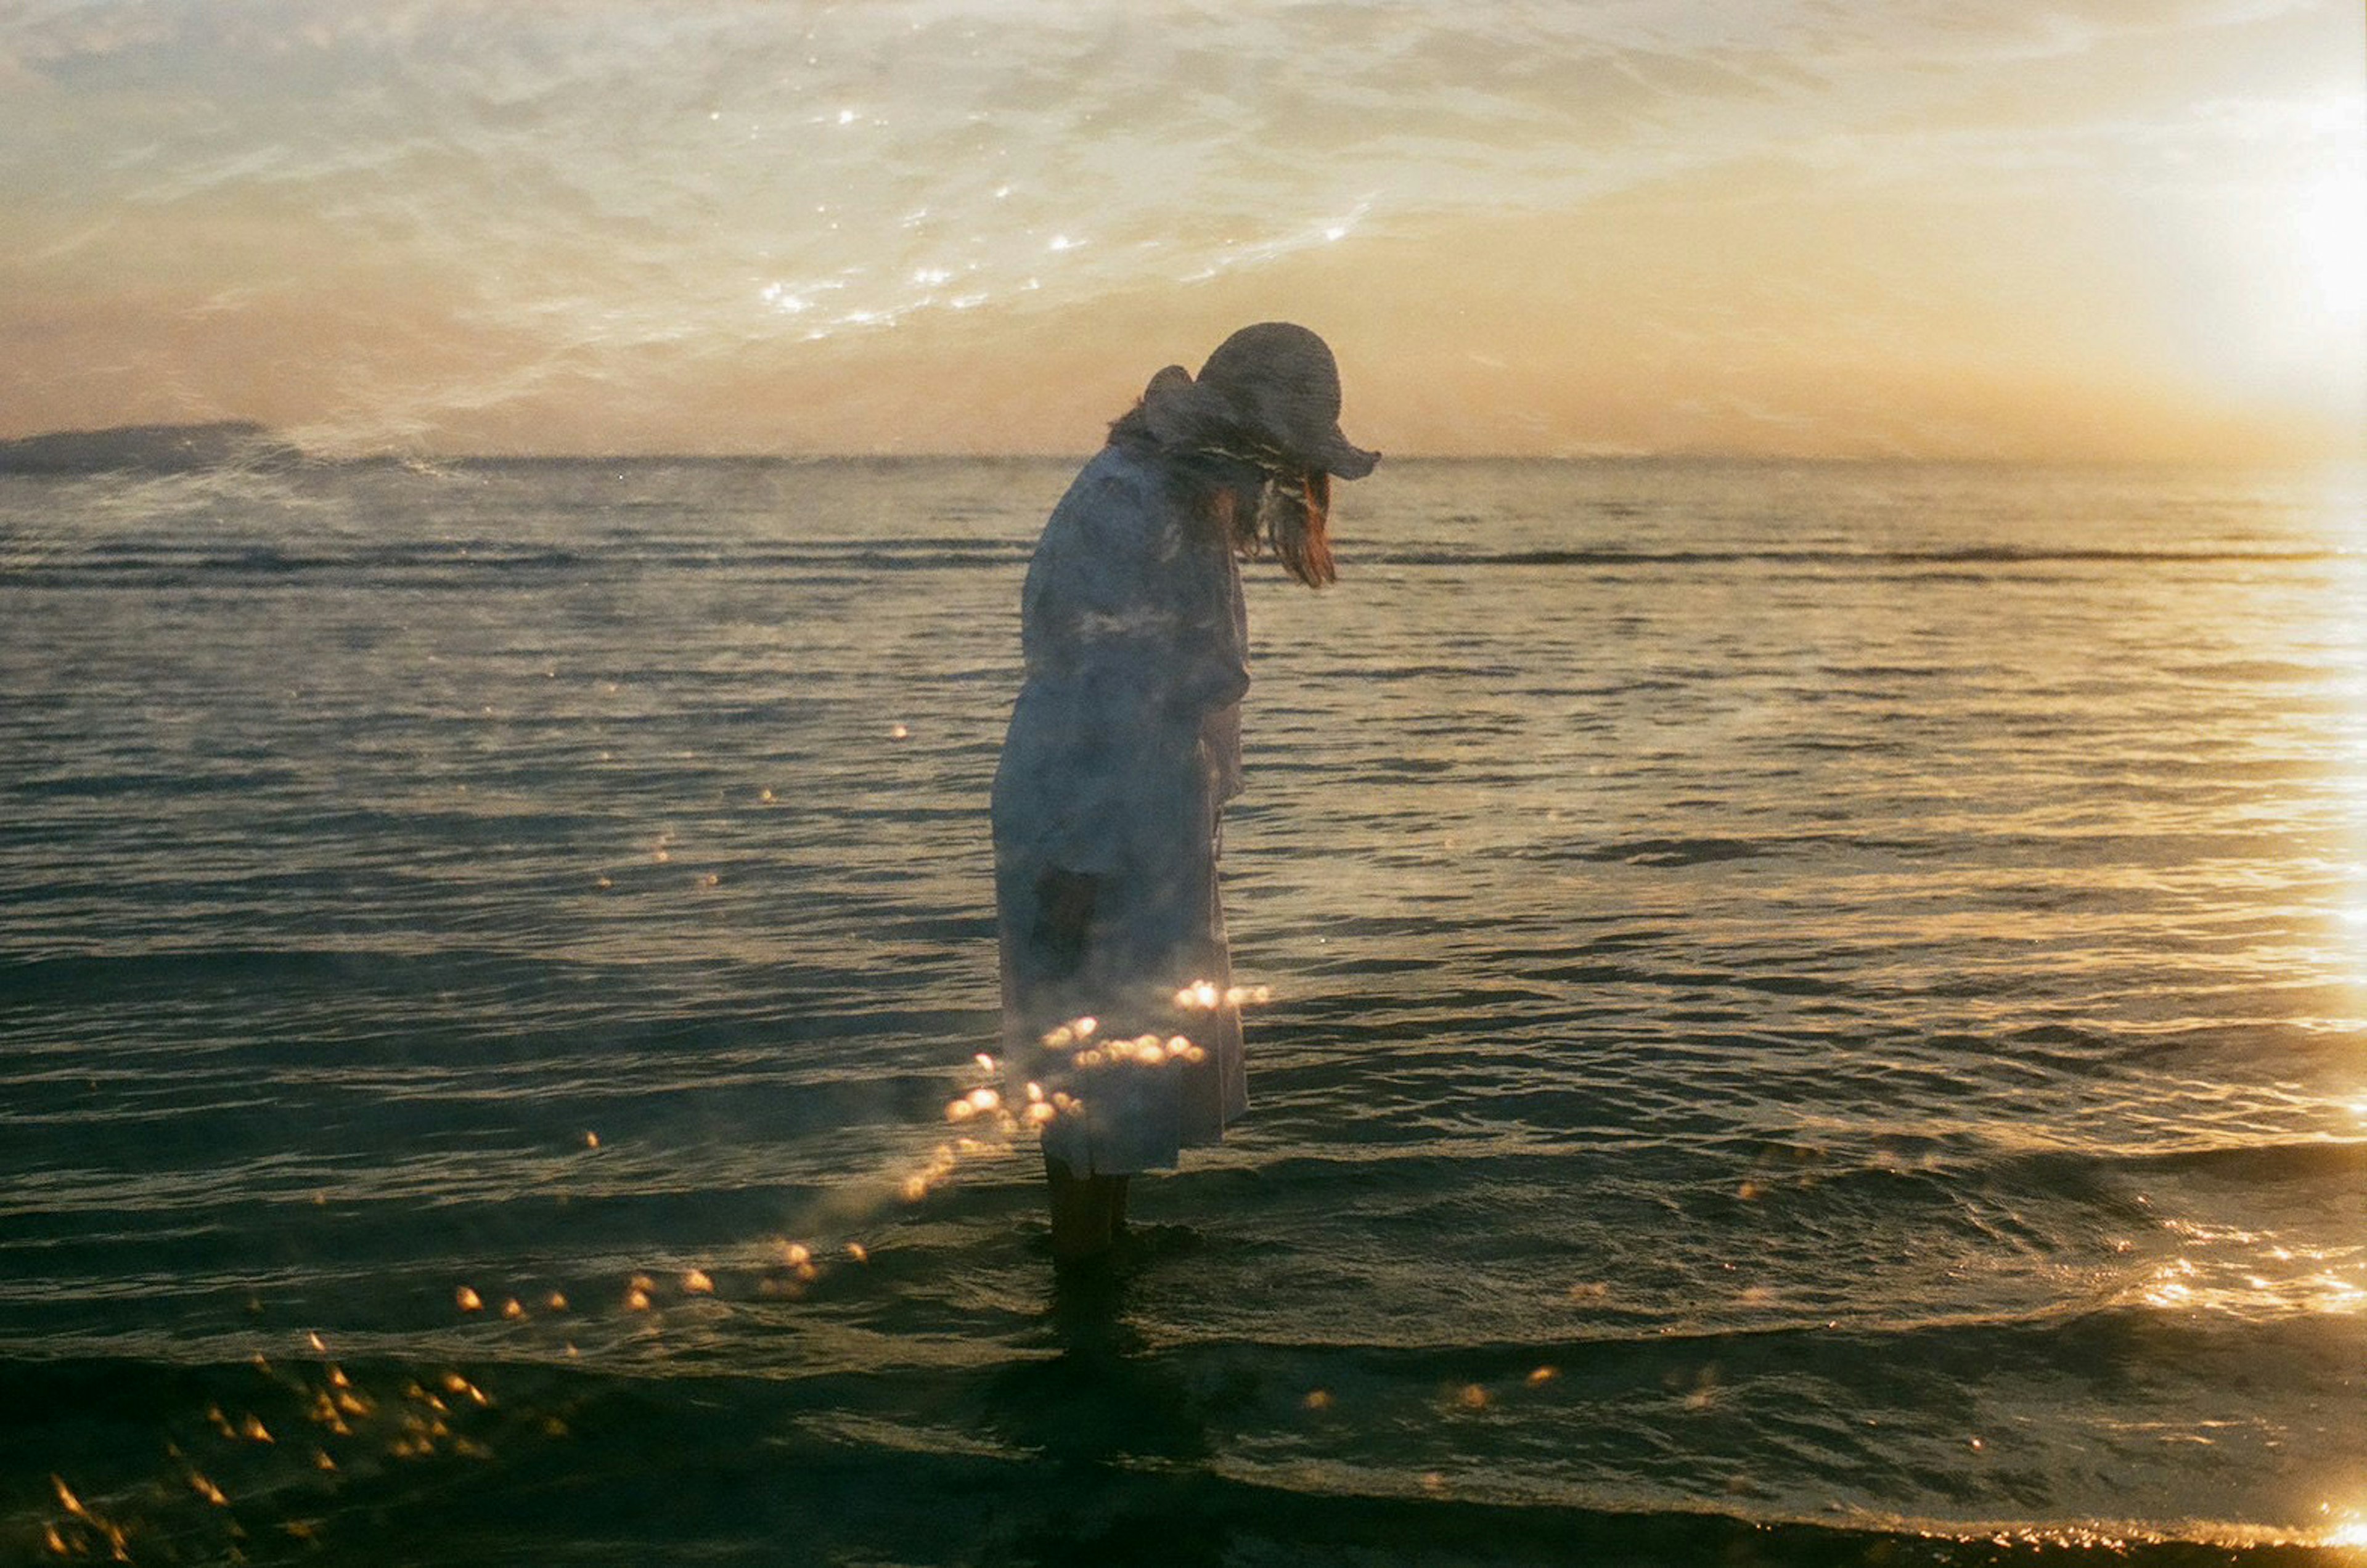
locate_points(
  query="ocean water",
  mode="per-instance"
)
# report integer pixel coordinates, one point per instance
(1819, 1014)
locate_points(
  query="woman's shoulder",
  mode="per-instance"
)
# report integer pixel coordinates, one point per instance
(1120, 474)
(1119, 496)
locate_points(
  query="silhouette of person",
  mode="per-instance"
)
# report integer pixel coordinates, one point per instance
(1125, 744)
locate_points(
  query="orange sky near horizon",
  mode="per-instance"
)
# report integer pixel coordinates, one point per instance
(2017, 231)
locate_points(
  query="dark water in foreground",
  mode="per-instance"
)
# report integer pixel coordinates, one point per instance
(1819, 1016)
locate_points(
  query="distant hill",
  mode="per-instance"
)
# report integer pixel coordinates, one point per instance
(146, 448)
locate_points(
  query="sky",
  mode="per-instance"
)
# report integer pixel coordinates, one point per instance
(1998, 230)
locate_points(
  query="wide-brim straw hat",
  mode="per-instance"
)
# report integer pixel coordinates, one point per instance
(1275, 383)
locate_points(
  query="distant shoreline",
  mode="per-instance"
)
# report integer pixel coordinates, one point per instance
(148, 448)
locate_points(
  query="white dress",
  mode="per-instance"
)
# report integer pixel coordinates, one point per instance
(1124, 746)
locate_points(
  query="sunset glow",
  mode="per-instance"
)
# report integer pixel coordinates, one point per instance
(2028, 231)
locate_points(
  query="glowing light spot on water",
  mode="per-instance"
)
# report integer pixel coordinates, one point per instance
(590, 1140)
(66, 1499)
(1749, 1191)
(1974, 1443)
(959, 1110)
(1432, 1480)
(1040, 1115)
(2348, 1530)
(858, 1252)
(1202, 995)
(207, 1490)
(1317, 1399)
(604, 882)
(320, 1460)
(766, 796)
(696, 1282)
(468, 1300)
(2168, 1287)
(899, 732)
(513, 1309)
(1471, 1396)
(314, 1341)
(1542, 1375)
(846, 116)
(555, 1302)
(637, 1301)
(984, 1099)
(1090, 1059)
(1059, 243)
(1075, 1032)
(915, 1189)
(254, 1430)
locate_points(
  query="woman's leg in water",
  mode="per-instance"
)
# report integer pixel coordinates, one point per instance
(1087, 1210)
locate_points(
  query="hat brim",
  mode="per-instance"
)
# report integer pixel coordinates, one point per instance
(1181, 411)
(1344, 461)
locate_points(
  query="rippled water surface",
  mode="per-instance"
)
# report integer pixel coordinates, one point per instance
(1819, 1014)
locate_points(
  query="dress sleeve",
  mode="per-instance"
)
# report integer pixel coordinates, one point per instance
(1140, 598)
(1135, 647)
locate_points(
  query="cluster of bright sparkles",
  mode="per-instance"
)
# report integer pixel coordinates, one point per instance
(1088, 1049)
(1206, 996)
(2345, 1527)
(322, 1418)
(993, 1121)
(326, 1420)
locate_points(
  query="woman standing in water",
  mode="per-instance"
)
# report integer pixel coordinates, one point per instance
(1124, 746)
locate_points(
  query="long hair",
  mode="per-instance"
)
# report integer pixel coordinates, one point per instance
(1294, 521)
(1292, 514)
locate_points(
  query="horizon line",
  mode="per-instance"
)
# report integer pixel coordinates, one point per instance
(250, 442)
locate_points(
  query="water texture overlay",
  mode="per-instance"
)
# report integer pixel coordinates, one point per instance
(1819, 1013)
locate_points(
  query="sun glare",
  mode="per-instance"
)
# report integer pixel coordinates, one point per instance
(2328, 226)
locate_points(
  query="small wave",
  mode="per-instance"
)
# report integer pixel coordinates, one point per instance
(1665, 852)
